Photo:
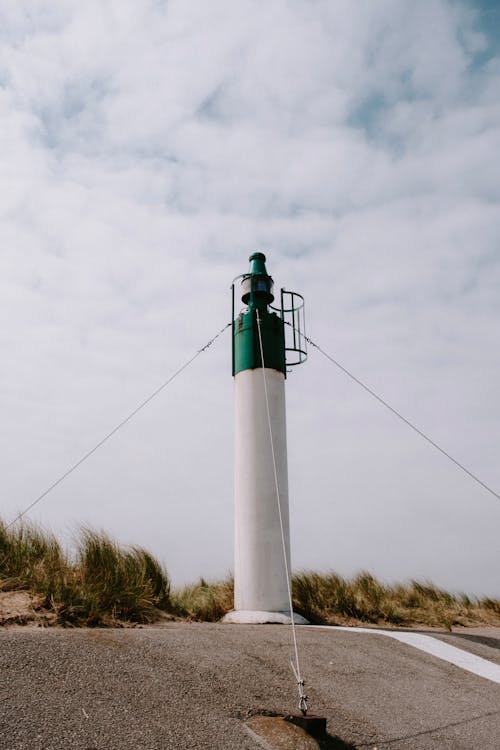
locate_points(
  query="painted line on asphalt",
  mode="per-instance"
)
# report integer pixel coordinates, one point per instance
(463, 659)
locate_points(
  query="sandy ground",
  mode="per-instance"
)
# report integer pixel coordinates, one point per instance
(21, 608)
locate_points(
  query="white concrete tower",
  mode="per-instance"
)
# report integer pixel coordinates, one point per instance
(262, 535)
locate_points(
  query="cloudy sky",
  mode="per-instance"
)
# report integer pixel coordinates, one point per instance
(147, 148)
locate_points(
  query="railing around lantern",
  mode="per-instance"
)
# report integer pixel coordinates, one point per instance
(292, 314)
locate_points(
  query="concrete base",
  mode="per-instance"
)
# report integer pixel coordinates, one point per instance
(253, 617)
(275, 733)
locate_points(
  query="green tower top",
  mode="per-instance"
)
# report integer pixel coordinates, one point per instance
(257, 295)
(258, 263)
(279, 350)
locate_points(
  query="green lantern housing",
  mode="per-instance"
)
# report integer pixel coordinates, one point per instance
(257, 295)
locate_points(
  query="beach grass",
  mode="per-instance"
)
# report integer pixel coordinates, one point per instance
(105, 584)
(102, 583)
(333, 600)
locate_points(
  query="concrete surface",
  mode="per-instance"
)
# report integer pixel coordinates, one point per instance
(252, 617)
(438, 647)
(187, 685)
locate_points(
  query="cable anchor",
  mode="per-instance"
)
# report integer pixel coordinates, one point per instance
(302, 694)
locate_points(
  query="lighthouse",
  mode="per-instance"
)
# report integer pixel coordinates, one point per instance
(263, 348)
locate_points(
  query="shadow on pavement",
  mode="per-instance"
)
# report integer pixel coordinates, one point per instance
(429, 732)
(483, 640)
(335, 743)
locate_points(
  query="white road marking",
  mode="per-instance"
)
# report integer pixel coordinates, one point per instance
(463, 659)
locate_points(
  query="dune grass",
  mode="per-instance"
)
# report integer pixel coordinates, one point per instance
(202, 601)
(106, 584)
(103, 584)
(29, 559)
(331, 599)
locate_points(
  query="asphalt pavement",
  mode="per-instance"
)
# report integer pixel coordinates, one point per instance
(192, 685)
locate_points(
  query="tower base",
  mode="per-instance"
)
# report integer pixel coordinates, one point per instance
(255, 617)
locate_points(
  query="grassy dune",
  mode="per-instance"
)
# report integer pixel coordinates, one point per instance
(331, 599)
(103, 584)
(106, 584)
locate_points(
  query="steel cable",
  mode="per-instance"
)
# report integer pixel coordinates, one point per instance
(296, 667)
(399, 415)
(115, 429)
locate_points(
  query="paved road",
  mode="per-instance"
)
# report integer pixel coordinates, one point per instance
(187, 686)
